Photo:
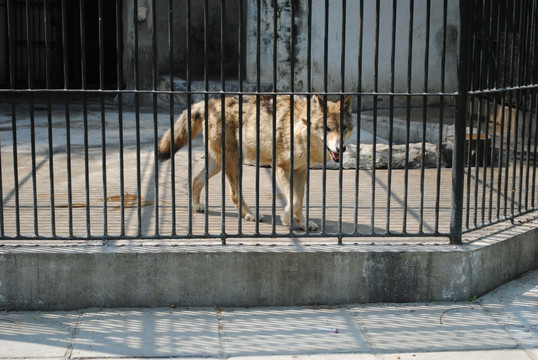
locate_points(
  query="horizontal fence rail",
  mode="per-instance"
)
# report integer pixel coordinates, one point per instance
(435, 102)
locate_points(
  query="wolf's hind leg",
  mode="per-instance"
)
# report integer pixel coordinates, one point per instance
(213, 168)
(233, 181)
(299, 178)
(299, 181)
(283, 177)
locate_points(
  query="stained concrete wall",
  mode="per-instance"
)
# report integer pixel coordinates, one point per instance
(352, 31)
(146, 27)
(299, 37)
(73, 277)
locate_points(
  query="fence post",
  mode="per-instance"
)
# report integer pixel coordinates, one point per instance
(460, 121)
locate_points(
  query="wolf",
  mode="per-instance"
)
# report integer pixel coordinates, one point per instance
(330, 126)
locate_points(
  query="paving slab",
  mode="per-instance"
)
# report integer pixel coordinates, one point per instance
(36, 334)
(147, 333)
(285, 331)
(514, 306)
(459, 355)
(414, 328)
(309, 357)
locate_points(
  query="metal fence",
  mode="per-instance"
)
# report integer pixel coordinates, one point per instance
(444, 117)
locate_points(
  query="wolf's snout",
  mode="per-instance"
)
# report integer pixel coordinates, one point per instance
(343, 149)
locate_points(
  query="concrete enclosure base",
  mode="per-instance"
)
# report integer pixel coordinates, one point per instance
(294, 272)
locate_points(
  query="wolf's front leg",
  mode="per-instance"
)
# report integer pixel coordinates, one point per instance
(198, 183)
(231, 169)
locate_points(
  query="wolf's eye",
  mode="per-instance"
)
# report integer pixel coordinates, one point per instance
(344, 129)
(327, 129)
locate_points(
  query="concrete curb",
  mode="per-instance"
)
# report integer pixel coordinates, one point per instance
(66, 277)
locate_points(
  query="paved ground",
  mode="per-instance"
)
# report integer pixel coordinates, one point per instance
(500, 325)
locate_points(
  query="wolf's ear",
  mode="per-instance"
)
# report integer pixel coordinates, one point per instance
(317, 103)
(348, 101)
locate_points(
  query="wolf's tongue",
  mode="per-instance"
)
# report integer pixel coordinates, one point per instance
(334, 156)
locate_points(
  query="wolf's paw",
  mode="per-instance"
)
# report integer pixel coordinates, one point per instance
(312, 226)
(251, 217)
(198, 207)
(285, 218)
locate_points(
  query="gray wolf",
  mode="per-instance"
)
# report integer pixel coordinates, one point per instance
(325, 136)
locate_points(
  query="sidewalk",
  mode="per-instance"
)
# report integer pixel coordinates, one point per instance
(501, 325)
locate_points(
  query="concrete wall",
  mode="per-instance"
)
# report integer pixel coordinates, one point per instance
(300, 40)
(352, 13)
(74, 277)
(144, 23)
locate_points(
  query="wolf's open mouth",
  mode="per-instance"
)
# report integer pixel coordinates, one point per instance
(334, 155)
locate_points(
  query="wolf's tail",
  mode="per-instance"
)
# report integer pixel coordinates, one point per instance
(181, 131)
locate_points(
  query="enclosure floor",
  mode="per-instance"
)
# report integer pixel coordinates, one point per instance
(96, 211)
(63, 192)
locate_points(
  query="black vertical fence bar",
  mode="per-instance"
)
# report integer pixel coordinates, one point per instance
(408, 112)
(206, 122)
(533, 48)
(173, 231)
(441, 117)
(375, 105)
(507, 101)
(342, 114)
(137, 119)
(103, 115)
(458, 170)
(497, 156)
(292, 88)
(258, 88)
(493, 154)
(391, 114)
(359, 108)
(67, 118)
(170, 37)
(155, 77)
(11, 75)
(274, 127)
(474, 84)
(240, 68)
(516, 66)
(508, 188)
(487, 165)
(30, 57)
(48, 70)
(12, 83)
(308, 115)
(223, 126)
(424, 114)
(499, 83)
(527, 80)
(503, 84)
(189, 130)
(525, 153)
(485, 161)
(535, 150)
(119, 97)
(325, 89)
(476, 163)
(525, 105)
(85, 115)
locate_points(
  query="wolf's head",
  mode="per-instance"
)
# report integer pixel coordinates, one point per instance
(338, 127)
